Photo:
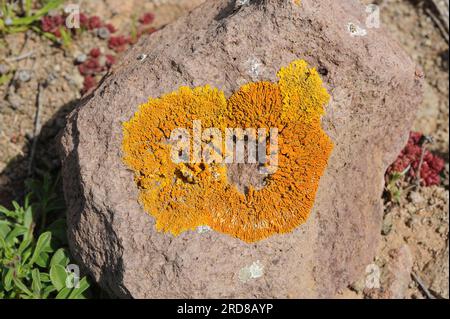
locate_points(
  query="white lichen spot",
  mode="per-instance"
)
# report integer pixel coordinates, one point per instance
(253, 271)
(142, 57)
(203, 229)
(355, 30)
(240, 3)
(254, 68)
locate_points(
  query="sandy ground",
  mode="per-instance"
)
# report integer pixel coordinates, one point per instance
(413, 255)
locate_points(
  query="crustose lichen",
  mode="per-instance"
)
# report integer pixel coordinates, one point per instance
(183, 196)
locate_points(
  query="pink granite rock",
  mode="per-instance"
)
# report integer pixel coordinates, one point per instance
(375, 89)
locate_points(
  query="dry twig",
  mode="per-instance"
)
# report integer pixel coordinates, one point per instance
(426, 139)
(422, 285)
(37, 127)
(20, 57)
(440, 16)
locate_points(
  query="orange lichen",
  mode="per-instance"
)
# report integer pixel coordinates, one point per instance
(183, 196)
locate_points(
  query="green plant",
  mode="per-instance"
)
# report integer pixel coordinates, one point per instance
(33, 257)
(13, 21)
(5, 78)
(392, 185)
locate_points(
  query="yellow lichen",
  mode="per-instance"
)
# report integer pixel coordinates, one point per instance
(303, 94)
(183, 196)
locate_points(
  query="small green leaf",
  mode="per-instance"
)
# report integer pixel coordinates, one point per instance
(5, 211)
(36, 282)
(4, 229)
(66, 38)
(23, 245)
(64, 293)
(50, 5)
(60, 258)
(58, 276)
(16, 205)
(43, 260)
(77, 292)
(47, 291)
(3, 244)
(28, 217)
(45, 277)
(7, 280)
(26, 254)
(19, 284)
(28, 5)
(5, 78)
(41, 246)
(48, 35)
(13, 234)
(26, 202)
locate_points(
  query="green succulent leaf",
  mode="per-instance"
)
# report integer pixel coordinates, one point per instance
(60, 257)
(36, 283)
(23, 245)
(42, 245)
(43, 260)
(77, 292)
(13, 234)
(4, 229)
(45, 277)
(58, 276)
(19, 284)
(28, 217)
(8, 278)
(64, 293)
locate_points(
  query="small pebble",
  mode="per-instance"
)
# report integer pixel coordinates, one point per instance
(141, 57)
(103, 33)
(23, 75)
(102, 60)
(240, 3)
(76, 80)
(356, 31)
(80, 58)
(15, 101)
(8, 21)
(416, 197)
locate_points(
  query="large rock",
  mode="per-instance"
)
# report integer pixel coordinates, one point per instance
(375, 90)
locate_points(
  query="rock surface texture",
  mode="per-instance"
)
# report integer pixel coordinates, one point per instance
(375, 90)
